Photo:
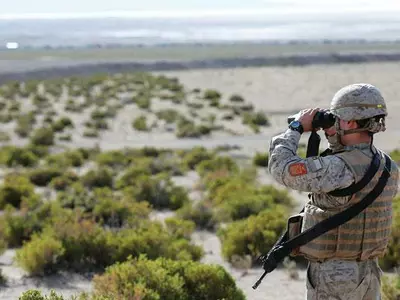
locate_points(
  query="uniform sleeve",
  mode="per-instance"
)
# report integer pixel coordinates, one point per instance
(313, 174)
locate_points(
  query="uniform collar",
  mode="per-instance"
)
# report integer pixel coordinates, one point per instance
(361, 146)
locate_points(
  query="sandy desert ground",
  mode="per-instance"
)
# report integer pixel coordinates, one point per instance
(279, 92)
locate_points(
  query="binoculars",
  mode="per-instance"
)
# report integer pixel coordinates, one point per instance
(322, 119)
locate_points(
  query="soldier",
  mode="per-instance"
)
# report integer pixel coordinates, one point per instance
(343, 263)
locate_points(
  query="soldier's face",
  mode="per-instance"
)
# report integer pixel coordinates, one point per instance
(345, 125)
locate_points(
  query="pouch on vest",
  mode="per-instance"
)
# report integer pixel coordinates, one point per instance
(294, 229)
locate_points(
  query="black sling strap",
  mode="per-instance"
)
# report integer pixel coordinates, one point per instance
(283, 247)
(354, 188)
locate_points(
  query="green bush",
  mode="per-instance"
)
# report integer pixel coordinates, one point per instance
(236, 98)
(395, 155)
(101, 177)
(91, 133)
(159, 190)
(15, 190)
(61, 183)
(258, 119)
(12, 156)
(70, 158)
(37, 295)
(212, 95)
(143, 102)
(201, 213)
(25, 124)
(217, 164)
(187, 128)
(168, 115)
(180, 228)
(43, 176)
(43, 136)
(62, 123)
(140, 123)
(113, 158)
(40, 255)
(183, 280)
(261, 159)
(392, 254)
(195, 156)
(391, 287)
(253, 236)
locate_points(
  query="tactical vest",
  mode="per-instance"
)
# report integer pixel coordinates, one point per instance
(365, 236)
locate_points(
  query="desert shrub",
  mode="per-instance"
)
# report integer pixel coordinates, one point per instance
(12, 156)
(113, 158)
(261, 159)
(37, 295)
(143, 102)
(43, 176)
(72, 106)
(69, 158)
(187, 128)
(16, 229)
(395, 155)
(43, 136)
(257, 119)
(239, 196)
(158, 190)
(90, 133)
(152, 239)
(201, 213)
(65, 137)
(117, 211)
(180, 228)
(166, 163)
(391, 287)
(217, 163)
(195, 156)
(62, 123)
(40, 255)
(5, 118)
(40, 151)
(392, 254)
(3, 278)
(168, 115)
(61, 183)
(180, 280)
(100, 177)
(140, 123)
(76, 196)
(210, 94)
(25, 124)
(15, 189)
(133, 174)
(40, 100)
(236, 98)
(253, 236)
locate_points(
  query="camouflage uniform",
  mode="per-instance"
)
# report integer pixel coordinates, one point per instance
(332, 278)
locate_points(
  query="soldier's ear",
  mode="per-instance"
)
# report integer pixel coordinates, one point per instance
(352, 124)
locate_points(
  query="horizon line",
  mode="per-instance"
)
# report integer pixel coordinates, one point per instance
(144, 14)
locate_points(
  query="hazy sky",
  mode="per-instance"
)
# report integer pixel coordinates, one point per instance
(88, 6)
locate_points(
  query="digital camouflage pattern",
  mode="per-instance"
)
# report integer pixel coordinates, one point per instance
(318, 174)
(343, 280)
(358, 101)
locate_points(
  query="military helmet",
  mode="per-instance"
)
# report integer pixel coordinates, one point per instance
(358, 101)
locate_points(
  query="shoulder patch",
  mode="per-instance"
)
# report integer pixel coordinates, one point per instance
(297, 169)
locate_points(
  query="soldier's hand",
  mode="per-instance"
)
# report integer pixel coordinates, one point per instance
(306, 118)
